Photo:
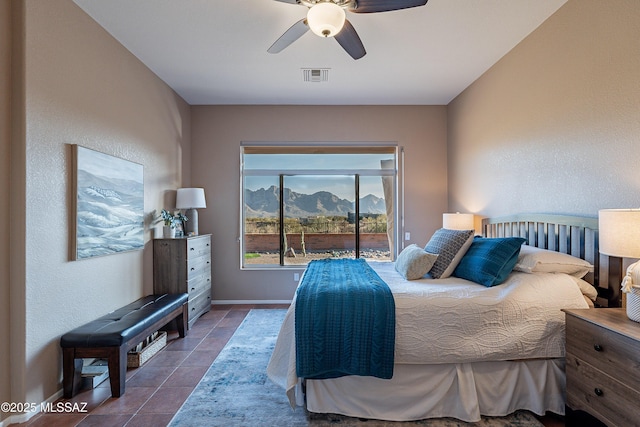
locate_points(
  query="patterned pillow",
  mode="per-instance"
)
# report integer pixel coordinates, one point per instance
(413, 262)
(489, 261)
(450, 246)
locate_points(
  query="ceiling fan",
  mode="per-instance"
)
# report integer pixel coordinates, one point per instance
(327, 18)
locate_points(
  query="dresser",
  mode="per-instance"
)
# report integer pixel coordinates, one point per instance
(183, 265)
(603, 365)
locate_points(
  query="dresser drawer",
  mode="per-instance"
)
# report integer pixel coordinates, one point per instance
(595, 392)
(198, 246)
(198, 305)
(199, 282)
(196, 266)
(608, 351)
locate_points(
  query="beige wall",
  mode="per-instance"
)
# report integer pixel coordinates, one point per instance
(217, 132)
(5, 173)
(555, 125)
(80, 87)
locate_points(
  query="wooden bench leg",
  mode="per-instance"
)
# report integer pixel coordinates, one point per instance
(181, 321)
(71, 372)
(117, 362)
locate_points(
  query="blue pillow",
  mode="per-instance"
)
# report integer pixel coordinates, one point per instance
(488, 261)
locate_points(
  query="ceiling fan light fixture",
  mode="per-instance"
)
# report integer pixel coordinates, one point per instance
(326, 19)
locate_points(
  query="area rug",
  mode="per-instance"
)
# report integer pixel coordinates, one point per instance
(235, 391)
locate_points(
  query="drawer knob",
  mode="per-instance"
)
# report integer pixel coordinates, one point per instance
(598, 392)
(192, 249)
(597, 347)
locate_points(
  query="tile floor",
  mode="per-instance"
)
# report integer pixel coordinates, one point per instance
(155, 391)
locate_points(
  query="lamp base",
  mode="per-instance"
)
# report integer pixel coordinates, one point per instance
(633, 304)
(191, 226)
(631, 289)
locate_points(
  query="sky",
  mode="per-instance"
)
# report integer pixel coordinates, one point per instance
(341, 185)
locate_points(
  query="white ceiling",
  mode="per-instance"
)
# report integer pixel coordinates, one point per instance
(215, 51)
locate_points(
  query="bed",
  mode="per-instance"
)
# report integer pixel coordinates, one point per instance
(464, 349)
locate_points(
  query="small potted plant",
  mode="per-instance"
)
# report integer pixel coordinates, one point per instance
(170, 221)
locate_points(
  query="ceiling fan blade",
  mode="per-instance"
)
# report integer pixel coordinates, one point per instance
(289, 1)
(296, 31)
(350, 41)
(371, 6)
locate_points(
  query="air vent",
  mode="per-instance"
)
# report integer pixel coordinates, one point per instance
(315, 74)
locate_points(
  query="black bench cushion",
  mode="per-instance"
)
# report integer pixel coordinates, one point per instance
(123, 324)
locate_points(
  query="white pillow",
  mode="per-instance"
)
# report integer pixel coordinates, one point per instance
(413, 262)
(587, 289)
(532, 259)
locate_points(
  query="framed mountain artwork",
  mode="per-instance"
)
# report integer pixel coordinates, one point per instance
(108, 204)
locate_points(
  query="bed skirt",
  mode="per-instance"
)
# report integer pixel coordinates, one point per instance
(463, 391)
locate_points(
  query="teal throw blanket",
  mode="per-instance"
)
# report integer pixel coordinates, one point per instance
(344, 321)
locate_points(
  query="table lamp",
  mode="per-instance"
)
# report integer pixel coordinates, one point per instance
(458, 221)
(190, 199)
(619, 231)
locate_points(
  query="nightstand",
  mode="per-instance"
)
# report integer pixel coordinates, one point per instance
(603, 365)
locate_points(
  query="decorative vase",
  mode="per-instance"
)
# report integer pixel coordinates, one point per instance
(168, 232)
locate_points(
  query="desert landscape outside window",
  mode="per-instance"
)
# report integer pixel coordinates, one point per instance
(301, 203)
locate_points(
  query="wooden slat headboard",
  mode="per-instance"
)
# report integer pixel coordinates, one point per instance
(573, 235)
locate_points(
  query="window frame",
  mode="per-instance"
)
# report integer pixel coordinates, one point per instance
(320, 148)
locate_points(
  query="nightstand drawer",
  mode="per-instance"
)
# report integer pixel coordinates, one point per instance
(614, 353)
(591, 390)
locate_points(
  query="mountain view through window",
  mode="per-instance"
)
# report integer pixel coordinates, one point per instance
(305, 203)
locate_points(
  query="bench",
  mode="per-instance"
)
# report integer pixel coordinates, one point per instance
(113, 335)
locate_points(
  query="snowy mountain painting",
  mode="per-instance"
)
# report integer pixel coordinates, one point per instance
(109, 204)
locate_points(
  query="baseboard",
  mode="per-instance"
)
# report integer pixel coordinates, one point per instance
(256, 302)
(23, 418)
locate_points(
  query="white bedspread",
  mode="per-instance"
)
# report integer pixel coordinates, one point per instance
(453, 320)
(457, 321)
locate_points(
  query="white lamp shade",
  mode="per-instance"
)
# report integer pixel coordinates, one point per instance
(458, 221)
(326, 19)
(619, 231)
(188, 198)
